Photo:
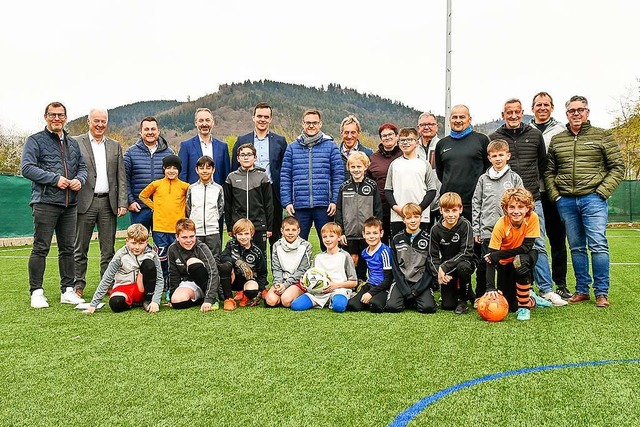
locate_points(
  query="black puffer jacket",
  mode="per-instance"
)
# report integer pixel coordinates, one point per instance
(528, 154)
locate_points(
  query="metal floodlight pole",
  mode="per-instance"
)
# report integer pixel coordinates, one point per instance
(447, 96)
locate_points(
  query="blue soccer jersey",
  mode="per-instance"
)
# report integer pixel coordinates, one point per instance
(377, 262)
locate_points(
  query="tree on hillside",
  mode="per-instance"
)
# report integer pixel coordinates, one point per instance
(627, 130)
(11, 143)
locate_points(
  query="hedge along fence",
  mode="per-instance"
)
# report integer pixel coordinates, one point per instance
(16, 219)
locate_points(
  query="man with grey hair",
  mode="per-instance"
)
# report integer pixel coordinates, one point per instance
(584, 168)
(350, 132)
(428, 128)
(204, 144)
(102, 199)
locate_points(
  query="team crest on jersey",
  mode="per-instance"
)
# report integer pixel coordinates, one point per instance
(366, 190)
(507, 185)
(455, 238)
(251, 258)
(422, 244)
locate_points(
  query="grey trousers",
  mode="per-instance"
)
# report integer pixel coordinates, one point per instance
(99, 214)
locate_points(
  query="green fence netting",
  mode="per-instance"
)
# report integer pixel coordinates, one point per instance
(16, 220)
(15, 212)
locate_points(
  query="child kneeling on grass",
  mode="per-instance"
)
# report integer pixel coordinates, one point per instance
(134, 274)
(511, 251)
(338, 265)
(290, 258)
(193, 274)
(413, 282)
(451, 254)
(246, 265)
(372, 295)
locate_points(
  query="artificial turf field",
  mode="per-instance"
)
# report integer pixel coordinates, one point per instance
(276, 367)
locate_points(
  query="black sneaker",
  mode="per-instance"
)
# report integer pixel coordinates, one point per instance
(461, 308)
(564, 293)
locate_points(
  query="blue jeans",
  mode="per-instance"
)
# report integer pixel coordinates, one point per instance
(47, 219)
(585, 218)
(317, 216)
(542, 272)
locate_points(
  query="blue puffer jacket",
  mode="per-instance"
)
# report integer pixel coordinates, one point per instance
(141, 167)
(311, 175)
(45, 159)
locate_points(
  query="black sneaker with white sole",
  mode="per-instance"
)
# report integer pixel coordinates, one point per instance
(564, 293)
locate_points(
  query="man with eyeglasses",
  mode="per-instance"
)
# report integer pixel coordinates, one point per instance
(270, 148)
(311, 175)
(387, 152)
(350, 132)
(53, 161)
(584, 168)
(528, 160)
(428, 128)
(542, 107)
(102, 199)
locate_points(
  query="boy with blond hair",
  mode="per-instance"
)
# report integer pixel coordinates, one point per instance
(338, 265)
(134, 274)
(247, 266)
(451, 254)
(511, 251)
(358, 199)
(290, 258)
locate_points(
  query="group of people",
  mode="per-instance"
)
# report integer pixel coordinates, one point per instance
(418, 215)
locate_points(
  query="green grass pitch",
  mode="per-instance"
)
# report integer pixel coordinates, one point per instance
(275, 367)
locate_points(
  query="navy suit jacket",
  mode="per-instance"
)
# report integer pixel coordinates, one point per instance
(191, 151)
(277, 147)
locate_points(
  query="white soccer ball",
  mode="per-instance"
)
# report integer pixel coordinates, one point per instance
(314, 279)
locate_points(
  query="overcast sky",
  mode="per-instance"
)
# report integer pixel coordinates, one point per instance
(111, 53)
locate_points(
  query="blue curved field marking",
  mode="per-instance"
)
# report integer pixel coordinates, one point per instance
(407, 416)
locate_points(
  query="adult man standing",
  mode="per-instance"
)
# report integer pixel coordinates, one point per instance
(350, 132)
(528, 159)
(204, 144)
(312, 172)
(428, 128)
(542, 107)
(584, 168)
(102, 199)
(143, 164)
(270, 148)
(52, 160)
(461, 158)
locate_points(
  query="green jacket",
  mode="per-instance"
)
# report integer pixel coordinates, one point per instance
(584, 163)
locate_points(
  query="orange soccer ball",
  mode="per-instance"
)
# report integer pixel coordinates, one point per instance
(493, 307)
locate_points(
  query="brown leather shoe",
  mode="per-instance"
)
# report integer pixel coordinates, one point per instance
(578, 297)
(602, 301)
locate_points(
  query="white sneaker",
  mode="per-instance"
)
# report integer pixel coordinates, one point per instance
(38, 300)
(554, 299)
(70, 297)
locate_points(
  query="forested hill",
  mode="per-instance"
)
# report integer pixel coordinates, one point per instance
(232, 106)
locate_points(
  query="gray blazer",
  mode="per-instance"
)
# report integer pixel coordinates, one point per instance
(115, 173)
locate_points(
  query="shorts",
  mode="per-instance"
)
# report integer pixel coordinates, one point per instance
(195, 288)
(131, 293)
(355, 246)
(322, 299)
